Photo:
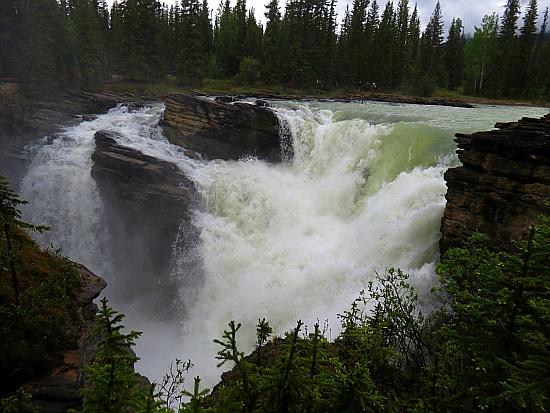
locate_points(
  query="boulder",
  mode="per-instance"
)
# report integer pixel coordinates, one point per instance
(222, 130)
(502, 186)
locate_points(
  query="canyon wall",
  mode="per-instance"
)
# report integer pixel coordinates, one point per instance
(502, 186)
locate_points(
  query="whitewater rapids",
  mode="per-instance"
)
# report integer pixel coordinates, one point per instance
(296, 240)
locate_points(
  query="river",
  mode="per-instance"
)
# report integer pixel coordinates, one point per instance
(296, 240)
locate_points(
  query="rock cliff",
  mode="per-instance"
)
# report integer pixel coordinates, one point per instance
(502, 186)
(60, 390)
(145, 203)
(221, 130)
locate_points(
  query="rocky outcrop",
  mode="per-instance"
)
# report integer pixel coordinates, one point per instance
(502, 186)
(60, 390)
(154, 191)
(220, 130)
(146, 202)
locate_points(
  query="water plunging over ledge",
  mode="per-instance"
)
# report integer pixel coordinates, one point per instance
(288, 241)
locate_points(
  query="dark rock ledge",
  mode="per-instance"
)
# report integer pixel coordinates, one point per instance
(220, 130)
(502, 186)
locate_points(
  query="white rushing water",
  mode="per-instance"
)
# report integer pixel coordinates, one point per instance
(296, 240)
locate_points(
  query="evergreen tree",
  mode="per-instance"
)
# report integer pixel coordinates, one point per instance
(139, 39)
(355, 56)
(346, 72)
(43, 33)
(252, 46)
(191, 52)
(226, 40)
(327, 66)
(507, 58)
(113, 381)
(271, 72)
(454, 54)
(11, 223)
(412, 67)
(87, 36)
(500, 322)
(384, 46)
(540, 85)
(10, 38)
(526, 48)
(431, 54)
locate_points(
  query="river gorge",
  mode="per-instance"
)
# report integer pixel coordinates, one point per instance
(296, 238)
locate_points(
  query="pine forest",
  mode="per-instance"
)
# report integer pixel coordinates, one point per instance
(57, 45)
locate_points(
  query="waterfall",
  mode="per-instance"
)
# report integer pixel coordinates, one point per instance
(296, 240)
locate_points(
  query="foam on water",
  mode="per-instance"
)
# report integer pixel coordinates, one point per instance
(297, 240)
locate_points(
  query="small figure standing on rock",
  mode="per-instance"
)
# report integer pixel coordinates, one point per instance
(373, 87)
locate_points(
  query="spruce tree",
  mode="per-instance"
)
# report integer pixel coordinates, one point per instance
(402, 51)
(43, 33)
(384, 46)
(87, 36)
(113, 383)
(526, 48)
(500, 322)
(454, 54)
(271, 44)
(507, 58)
(431, 54)
(191, 52)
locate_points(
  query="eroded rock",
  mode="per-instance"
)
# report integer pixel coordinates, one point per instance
(60, 390)
(502, 186)
(219, 130)
(146, 202)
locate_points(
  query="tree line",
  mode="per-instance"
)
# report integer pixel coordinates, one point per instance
(51, 45)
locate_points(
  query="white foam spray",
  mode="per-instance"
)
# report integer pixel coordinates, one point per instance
(296, 240)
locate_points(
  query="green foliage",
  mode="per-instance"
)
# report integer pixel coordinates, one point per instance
(263, 331)
(113, 383)
(37, 298)
(249, 71)
(500, 324)
(18, 403)
(54, 46)
(479, 55)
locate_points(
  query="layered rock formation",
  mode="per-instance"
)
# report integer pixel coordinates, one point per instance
(153, 191)
(503, 185)
(221, 130)
(145, 201)
(60, 390)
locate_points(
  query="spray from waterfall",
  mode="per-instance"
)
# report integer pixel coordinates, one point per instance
(297, 240)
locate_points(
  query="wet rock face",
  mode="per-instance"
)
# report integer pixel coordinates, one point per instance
(152, 190)
(146, 201)
(219, 130)
(502, 186)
